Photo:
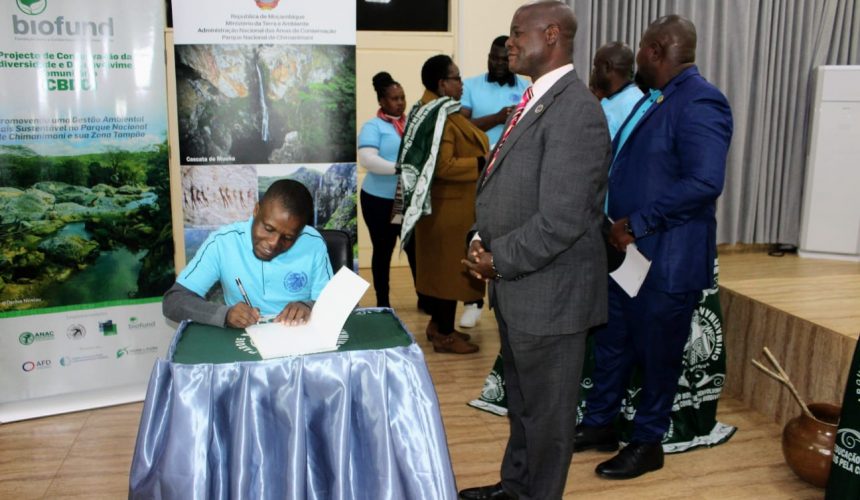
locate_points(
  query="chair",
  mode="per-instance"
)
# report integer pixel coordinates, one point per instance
(339, 245)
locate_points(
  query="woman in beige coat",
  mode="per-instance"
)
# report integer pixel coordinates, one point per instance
(441, 236)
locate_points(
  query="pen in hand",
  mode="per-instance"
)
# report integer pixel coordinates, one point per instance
(243, 292)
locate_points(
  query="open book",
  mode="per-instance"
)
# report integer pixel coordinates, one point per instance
(320, 333)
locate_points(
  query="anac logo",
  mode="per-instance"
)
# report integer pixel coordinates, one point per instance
(32, 7)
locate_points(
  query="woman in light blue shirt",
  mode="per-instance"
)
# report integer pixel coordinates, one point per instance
(378, 145)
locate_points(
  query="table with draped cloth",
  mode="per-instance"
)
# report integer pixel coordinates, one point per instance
(360, 422)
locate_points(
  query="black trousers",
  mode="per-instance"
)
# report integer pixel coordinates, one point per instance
(383, 235)
(442, 312)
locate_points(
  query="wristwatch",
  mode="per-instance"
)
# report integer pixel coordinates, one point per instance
(498, 276)
(628, 229)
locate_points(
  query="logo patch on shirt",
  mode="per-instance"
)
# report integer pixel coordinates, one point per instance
(295, 282)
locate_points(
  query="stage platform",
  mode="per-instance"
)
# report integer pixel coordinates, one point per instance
(806, 311)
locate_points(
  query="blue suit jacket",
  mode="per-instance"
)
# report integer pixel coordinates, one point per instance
(667, 177)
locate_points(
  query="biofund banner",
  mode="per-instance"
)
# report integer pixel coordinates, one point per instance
(265, 90)
(85, 240)
(694, 410)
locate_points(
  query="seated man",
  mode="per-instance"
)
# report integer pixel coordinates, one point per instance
(271, 264)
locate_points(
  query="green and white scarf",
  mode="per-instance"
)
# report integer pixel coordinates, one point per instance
(416, 161)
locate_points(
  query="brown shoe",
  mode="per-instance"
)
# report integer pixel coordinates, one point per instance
(453, 344)
(432, 330)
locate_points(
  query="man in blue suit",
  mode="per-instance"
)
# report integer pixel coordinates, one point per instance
(667, 173)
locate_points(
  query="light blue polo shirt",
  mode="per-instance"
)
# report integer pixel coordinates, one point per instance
(618, 106)
(653, 96)
(378, 133)
(300, 273)
(485, 98)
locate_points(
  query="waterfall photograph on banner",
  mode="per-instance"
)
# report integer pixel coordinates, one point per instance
(265, 104)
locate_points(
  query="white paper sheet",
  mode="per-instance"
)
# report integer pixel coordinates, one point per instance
(320, 333)
(632, 272)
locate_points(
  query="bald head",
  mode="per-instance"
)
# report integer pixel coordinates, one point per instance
(676, 35)
(618, 56)
(612, 69)
(668, 47)
(541, 38)
(555, 13)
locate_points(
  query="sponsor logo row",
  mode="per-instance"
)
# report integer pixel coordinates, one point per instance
(77, 331)
(65, 361)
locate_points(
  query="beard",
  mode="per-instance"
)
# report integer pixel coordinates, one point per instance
(508, 78)
(639, 79)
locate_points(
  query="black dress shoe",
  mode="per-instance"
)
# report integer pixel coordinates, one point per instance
(632, 461)
(595, 438)
(494, 492)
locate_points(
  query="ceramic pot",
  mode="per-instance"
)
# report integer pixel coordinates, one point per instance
(807, 443)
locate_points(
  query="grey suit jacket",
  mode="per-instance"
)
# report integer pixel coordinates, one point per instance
(540, 210)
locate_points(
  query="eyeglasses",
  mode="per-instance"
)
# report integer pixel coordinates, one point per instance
(456, 78)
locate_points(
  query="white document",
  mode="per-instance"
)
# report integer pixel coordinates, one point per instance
(632, 272)
(320, 333)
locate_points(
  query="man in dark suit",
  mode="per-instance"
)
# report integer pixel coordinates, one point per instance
(668, 170)
(538, 216)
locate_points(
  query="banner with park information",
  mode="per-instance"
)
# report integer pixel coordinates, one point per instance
(694, 411)
(265, 90)
(85, 240)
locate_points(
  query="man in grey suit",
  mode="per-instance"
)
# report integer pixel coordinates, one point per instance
(539, 211)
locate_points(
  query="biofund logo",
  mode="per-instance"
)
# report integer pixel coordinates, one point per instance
(76, 332)
(28, 338)
(29, 366)
(32, 7)
(59, 26)
(267, 4)
(135, 323)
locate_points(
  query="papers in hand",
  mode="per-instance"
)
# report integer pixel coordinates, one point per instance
(320, 333)
(632, 272)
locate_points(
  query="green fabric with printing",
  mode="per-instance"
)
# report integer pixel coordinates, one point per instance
(211, 344)
(844, 480)
(694, 410)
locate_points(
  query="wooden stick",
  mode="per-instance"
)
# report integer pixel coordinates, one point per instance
(782, 377)
(766, 370)
(788, 382)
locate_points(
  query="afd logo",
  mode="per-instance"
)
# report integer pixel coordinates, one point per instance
(29, 366)
(32, 7)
